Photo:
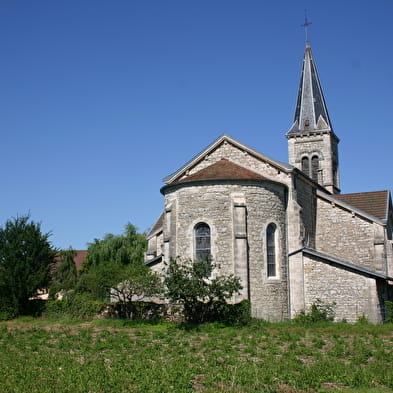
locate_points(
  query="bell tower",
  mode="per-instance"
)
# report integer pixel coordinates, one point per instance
(312, 143)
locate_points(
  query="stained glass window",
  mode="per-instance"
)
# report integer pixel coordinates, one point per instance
(271, 250)
(202, 242)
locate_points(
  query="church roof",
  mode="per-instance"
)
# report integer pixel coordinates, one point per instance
(311, 114)
(157, 225)
(375, 203)
(340, 262)
(174, 177)
(223, 169)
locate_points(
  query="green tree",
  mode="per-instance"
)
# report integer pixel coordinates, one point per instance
(65, 274)
(122, 249)
(125, 284)
(190, 283)
(26, 256)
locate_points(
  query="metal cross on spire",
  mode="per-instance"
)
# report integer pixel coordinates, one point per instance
(306, 24)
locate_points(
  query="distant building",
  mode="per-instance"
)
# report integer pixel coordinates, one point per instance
(80, 258)
(284, 229)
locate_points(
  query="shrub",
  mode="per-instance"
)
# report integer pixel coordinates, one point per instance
(137, 310)
(110, 281)
(238, 314)
(319, 311)
(6, 315)
(7, 310)
(389, 311)
(362, 320)
(203, 297)
(74, 305)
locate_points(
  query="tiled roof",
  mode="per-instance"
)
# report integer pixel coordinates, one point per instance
(79, 258)
(223, 169)
(158, 224)
(374, 202)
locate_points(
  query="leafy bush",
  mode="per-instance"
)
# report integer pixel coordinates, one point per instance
(389, 311)
(203, 297)
(362, 320)
(124, 284)
(238, 314)
(6, 315)
(74, 305)
(136, 310)
(319, 311)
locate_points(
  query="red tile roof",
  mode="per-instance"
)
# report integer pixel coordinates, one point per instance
(375, 202)
(223, 169)
(79, 258)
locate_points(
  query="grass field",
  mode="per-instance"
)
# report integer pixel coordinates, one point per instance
(100, 356)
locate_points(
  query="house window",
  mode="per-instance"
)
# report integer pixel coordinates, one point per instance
(314, 168)
(202, 242)
(271, 250)
(306, 166)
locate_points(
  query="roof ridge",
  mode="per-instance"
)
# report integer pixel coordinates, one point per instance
(223, 169)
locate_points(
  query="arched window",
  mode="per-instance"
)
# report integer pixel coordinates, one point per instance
(314, 168)
(202, 242)
(306, 166)
(271, 250)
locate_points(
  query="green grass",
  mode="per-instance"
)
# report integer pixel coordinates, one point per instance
(38, 355)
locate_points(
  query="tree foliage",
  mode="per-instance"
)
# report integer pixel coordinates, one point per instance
(65, 274)
(122, 249)
(191, 284)
(26, 256)
(125, 284)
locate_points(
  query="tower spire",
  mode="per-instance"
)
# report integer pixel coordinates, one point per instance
(311, 112)
(312, 143)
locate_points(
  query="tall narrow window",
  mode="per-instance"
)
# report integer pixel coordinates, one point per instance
(314, 168)
(306, 166)
(271, 250)
(202, 242)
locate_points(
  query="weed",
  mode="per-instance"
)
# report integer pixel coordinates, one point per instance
(318, 312)
(108, 356)
(362, 320)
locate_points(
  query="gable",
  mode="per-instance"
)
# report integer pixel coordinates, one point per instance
(232, 150)
(223, 169)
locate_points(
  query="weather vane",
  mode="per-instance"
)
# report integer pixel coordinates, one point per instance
(306, 24)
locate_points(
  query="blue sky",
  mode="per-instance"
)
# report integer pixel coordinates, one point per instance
(100, 100)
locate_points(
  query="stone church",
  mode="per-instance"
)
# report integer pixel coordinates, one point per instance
(284, 229)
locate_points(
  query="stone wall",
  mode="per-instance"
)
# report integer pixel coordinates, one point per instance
(306, 198)
(324, 145)
(355, 294)
(214, 204)
(349, 236)
(155, 245)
